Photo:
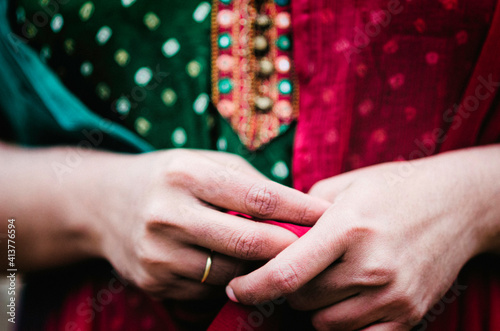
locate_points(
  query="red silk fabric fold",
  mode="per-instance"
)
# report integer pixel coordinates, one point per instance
(379, 81)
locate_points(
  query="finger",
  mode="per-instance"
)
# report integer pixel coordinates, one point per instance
(232, 235)
(233, 162)
(265, 199)
(221, 270)
(329, 189)
(390, 326)
(187, 289)
(293, 267)
(352, 314)
(333, 285)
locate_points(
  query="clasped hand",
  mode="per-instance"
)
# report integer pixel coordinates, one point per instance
(385, 251)
(165, 211)
(378, 255)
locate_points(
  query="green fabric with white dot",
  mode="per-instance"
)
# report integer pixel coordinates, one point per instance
(146, 65)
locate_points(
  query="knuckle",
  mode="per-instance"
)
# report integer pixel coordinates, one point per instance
(149, 257)
(352, 234)
(260, 201)
(231, 272)
(144, 256)
(148, 283)
(297, 302)
(237, 270)
(306, 214)
(154, 220)
(180, 178)
(247, 244)
(310, 295)
(176, 171)
(321, 188)
(376, 275)
(412, 310)
(156, 217)
(321, 323)
(403, 326)
(286, 278)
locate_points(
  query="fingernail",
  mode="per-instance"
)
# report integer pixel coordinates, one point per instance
(230, 294)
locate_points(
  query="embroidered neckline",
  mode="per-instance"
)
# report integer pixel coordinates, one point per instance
(253, 82)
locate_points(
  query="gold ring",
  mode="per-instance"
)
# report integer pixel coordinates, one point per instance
(208, 266)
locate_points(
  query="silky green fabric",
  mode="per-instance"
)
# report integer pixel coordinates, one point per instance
(140, 71)
(35, 104)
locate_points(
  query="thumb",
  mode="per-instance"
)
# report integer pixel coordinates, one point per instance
(390, 326)
(291, 269)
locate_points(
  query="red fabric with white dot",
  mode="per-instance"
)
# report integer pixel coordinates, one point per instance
(378, 78)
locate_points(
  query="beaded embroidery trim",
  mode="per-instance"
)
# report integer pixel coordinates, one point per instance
(253, 82)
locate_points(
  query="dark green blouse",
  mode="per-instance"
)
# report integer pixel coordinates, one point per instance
(144, 65)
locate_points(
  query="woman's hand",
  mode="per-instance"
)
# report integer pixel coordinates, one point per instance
(160, 214)
(390, 245)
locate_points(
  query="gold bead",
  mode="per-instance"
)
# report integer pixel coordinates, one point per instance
(260, 43)
(263, 104)
(263, 22)
(266, 67)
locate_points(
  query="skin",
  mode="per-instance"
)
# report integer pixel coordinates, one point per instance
(155, 217)
(380, 253)
(390, 245)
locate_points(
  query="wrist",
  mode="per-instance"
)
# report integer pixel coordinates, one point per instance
(41, 192)
(106, 195)
(478, 179)
(90, 193)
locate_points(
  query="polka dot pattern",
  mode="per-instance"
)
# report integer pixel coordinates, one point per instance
(103, 35)
(201, 12)
(45, 53)
(222, 144)
(127, 3)
(103, 91)
(169, 97)
(193, 68)
(171, 47)
(87, 68)
(86, 11)
(122, 57)
(390, 93)
(201, 103)
(142, 126)
(392, 83)
(57, 23)
(143, 76)
(123, 106)
(280, 170)
(179, 137)
(151, 21)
